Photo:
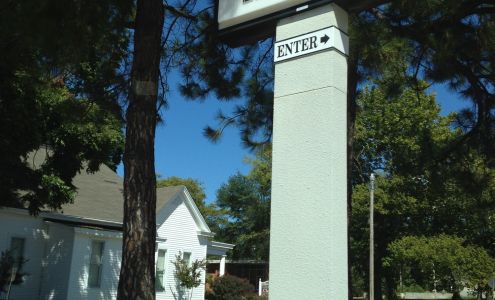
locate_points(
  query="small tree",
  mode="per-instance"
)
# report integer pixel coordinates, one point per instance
(7, 266)
(187, 276)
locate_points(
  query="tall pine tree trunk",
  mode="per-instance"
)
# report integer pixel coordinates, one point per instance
(137, 274)
(352, 83)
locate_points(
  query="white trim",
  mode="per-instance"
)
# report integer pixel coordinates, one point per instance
(221, 245)
(100, 270)
(59, 216)
(184, 196)
(237, 12)
(160, 239)
(200, 221)
(218, 248)
(206, 234)
(187, 250)
(98, 233)
(161, 246)
(69, 218)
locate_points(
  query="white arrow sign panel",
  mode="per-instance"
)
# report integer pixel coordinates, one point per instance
(322, 39)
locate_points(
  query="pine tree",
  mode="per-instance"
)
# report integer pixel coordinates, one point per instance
(137, 273)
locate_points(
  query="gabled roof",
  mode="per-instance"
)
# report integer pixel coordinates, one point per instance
(100, 199)
(164, 196)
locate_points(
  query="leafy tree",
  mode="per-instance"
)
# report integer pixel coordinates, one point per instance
(211, 61)
(400, 136)
(420, 191)
(400, 43)
(59, 90)
(245, 200)
(446, 261)
(433, 29)
(188, 276)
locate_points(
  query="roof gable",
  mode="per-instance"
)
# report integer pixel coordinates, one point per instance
(164, 200)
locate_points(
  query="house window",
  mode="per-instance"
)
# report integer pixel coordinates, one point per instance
(160, 271)
(187, 257)
(95, 264)
(17, 250)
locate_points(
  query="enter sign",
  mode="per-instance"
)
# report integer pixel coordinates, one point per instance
(322, 39)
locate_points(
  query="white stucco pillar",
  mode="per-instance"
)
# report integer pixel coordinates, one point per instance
(222, 265)
(308, 247)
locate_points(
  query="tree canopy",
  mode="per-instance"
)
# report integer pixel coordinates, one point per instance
(441, 262)
(60, 83)
(245, 201)
(419, 191)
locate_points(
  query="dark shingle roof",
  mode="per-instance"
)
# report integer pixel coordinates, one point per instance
(100, 194)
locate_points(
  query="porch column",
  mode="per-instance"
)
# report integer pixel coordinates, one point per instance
(222, 265)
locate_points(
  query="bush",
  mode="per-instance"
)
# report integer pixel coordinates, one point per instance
(6, 264)
(230, 287)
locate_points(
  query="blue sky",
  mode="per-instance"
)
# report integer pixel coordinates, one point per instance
(182, 150)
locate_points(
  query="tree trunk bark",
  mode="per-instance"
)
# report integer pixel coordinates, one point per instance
(351, 117)
(137, 274)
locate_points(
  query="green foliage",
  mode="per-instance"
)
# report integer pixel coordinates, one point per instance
(453, 263)
(211, 67)
(431, 30)
(425, 186)
(60, 84)
(188, 276)
(230, 287)
(245, 199)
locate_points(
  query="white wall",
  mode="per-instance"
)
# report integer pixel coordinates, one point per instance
(112, 253)
(180, 232)
(56, 265)
(17, 223)
(59, 255)
(308, 235)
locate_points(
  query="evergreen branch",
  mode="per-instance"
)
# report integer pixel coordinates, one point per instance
(179, 13)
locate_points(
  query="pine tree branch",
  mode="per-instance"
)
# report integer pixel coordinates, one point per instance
(178, 12)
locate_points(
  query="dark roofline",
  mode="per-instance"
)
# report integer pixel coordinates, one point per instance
(85, 224)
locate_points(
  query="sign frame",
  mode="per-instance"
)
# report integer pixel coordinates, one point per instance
(261, 27)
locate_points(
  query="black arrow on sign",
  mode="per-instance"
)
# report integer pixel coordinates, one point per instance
(324, 39)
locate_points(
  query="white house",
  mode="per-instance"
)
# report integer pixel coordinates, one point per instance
(76, 253)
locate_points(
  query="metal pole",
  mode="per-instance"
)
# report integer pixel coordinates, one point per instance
(372, 242)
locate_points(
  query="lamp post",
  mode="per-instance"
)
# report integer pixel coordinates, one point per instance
(372, 242)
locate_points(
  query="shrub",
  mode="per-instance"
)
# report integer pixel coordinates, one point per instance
(6, 264)
(230, 287)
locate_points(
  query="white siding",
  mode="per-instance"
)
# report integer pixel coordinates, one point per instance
(112, 252)
(56, 265)
(17, 223)
(59, 254)
(180, 231)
